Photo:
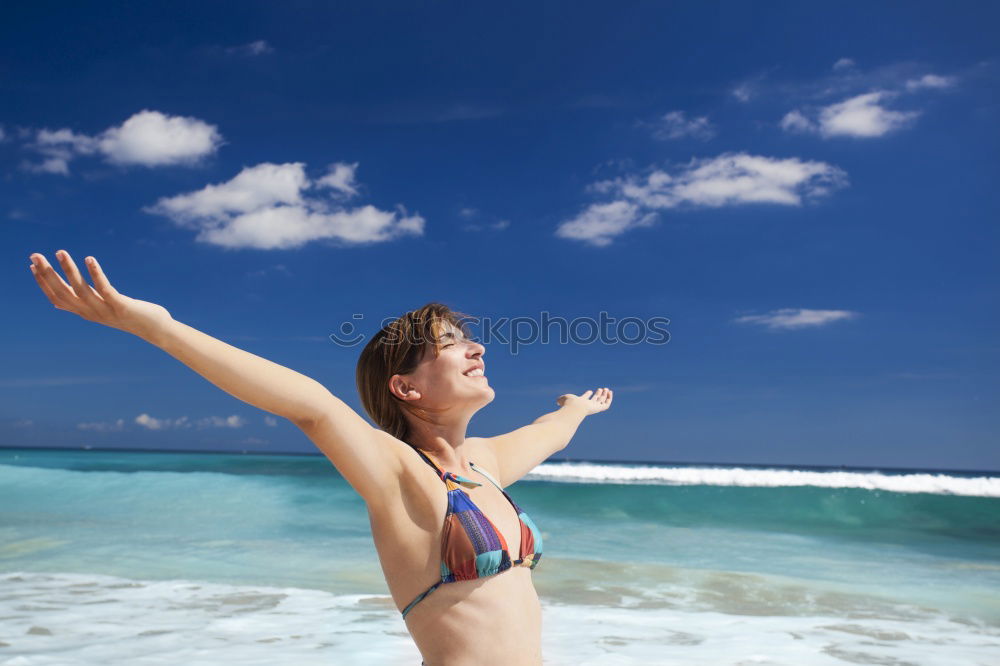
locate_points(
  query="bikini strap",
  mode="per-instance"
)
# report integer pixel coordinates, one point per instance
(486, 474)
(426, 459)
(454, 479)
(499, 487)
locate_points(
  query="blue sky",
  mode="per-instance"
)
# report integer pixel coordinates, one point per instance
(807, 193)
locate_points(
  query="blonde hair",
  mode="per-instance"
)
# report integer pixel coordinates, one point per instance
(397, 350)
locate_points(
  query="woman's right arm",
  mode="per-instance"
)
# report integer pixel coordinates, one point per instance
(356, 448)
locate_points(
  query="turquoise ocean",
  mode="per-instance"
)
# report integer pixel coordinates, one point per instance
(120, 557)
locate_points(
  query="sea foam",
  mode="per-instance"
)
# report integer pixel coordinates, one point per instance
(93, 620)
(939, 484)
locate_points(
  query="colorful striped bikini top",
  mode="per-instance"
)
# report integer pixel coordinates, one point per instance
(471, 545)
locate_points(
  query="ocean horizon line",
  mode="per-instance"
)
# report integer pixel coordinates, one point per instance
(316, 454)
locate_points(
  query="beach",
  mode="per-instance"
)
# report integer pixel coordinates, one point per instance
(113, 557)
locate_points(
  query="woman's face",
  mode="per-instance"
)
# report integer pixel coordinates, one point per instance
(454, 378)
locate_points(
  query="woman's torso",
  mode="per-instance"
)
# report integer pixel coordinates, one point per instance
(492, 620)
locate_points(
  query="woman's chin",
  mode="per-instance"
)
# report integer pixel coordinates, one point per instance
(480, 398)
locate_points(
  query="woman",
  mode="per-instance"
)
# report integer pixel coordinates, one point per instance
(447, 553)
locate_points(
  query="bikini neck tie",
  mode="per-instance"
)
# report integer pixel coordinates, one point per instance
(461, 480)
(449, 476)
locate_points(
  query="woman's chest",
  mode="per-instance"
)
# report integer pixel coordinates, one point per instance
(427, 512)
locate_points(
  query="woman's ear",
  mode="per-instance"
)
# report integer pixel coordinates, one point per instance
(403, 389)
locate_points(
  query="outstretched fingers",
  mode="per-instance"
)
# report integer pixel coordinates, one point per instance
(596, 401)
(603, 396)
(101, 281)
(46, 289)
(55, 288)
(92, 301)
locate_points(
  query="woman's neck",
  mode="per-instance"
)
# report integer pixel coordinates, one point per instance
(445, 443)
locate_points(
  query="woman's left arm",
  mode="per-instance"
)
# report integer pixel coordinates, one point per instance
(520, 451)
(246, 376)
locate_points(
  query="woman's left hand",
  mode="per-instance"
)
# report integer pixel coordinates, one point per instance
(102, 304)
(591, 401)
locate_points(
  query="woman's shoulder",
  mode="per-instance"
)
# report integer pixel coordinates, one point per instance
(481, 452)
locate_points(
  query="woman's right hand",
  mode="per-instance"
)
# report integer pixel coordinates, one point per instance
(591, 401)
(101, 303)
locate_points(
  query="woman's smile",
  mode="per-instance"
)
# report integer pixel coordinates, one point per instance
(476, 371)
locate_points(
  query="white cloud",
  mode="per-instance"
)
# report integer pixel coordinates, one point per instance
(56, 162)
(147, 421)
(255, 48)
(66, 138)
(863, 116)
(341, 179)
(599, 224)
(478, 221)
(848, 83)
(930, 81)
(674, 125)
(727, 180)
(283, 227)
(103, 427)
(751, 87)
(152, 423)
(264, 207)
(252, 189)
(795, 318)
(57, 148)
(148, 138)
(271, 421)
(233, 421)
(795, 121)
(743, 92)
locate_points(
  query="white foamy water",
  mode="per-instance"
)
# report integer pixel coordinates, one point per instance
(92, 620)
(169, 567)
(940, 484)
